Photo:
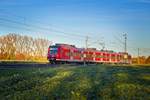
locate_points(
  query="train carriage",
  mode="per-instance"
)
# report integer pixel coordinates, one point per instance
(70, 53)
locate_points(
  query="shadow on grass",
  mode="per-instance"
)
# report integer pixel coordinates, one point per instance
(79, 83)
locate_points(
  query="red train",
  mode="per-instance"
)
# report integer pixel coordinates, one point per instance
(69, 53)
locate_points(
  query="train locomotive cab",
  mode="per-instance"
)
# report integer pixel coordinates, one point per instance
(53, 54)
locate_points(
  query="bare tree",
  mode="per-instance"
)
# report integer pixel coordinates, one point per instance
(17, 47)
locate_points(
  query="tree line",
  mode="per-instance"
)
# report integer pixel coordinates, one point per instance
(18, 47)
(141, 60)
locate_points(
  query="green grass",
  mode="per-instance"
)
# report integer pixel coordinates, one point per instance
(76, 83)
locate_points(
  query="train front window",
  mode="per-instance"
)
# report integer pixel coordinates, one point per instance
(53, 50)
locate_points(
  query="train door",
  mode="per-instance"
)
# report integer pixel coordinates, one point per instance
(91, 56)
(65, 54)
(77, 55)
(112, 57)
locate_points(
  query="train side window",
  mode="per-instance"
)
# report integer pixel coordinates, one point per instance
(112, 57)
(99, 56)
(68, 52)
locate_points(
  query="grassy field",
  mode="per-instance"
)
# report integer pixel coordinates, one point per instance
(76, 83)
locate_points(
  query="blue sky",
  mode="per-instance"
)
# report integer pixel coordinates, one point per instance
(101, 20)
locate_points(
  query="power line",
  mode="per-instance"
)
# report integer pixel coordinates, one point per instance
(135, 49)
(38, 27)
(117, 45)
(6, 12)
(29, 29)
(118, 39)
(52, 29)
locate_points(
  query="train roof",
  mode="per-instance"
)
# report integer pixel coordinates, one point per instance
(88, 49)
(60, 44)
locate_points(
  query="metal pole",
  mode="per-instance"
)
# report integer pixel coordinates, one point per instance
(125, 42)
(86, 42)
(138, 56)
(125, 47)
(86, 46)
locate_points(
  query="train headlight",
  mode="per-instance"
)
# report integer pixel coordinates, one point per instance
(84, 55)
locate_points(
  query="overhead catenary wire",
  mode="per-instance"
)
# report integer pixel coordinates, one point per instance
(31, 28)
(39, 22)
(37, 27)
(25, 20)
(23, 24)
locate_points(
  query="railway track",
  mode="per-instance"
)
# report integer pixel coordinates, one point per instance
(23, 65)
(33, 65)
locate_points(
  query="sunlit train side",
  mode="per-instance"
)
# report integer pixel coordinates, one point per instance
(65, 53)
